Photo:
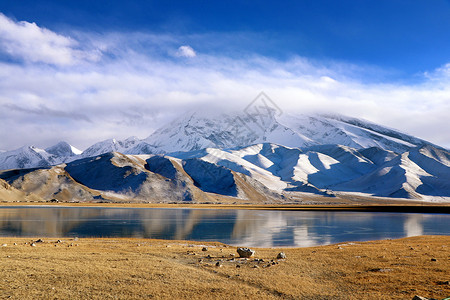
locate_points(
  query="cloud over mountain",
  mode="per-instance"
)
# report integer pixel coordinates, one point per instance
(135, 85)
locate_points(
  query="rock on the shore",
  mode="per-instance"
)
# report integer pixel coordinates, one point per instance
(245, 252)
(421, 298)
(281, 255)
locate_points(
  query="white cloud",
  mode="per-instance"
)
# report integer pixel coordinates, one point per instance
(185, 51)
(134, 90)
(32, 43)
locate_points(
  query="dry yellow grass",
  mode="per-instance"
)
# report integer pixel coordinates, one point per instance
(140, 268)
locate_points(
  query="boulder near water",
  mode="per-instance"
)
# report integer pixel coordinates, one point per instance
(245, 252)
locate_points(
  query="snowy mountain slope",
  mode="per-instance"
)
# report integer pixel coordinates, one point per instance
(261, 171)
(380, 132)
(63, 149)
(198, 130)
(235, 163)
(33, 157)
(232, 154)
(377, 155)
(110, 145)
(406, 176)
(325, 168)
(27, 157)
(102, 173)
(210, 177)
(351, 132)
(118, 177)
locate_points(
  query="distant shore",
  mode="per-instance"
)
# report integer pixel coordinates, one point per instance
(72, 268)
(393, 207)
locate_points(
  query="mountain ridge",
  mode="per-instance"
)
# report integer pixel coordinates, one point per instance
(324, 155)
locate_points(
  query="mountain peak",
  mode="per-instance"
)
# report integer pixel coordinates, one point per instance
(199, 130)
(63, 149)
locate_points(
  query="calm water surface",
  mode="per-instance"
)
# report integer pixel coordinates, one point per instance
(253, 228)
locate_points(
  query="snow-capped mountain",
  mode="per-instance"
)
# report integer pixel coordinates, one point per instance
(199, 130)
(26, 157)
(63, 149)
(418, 173)
(319, 154)
(33, 157)
(196, 131)
(110, 145)
(261, 171)
(119, 177)
(352, 132)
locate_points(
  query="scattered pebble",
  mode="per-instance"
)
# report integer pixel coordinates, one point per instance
(433, 259)
(420, 298)
(205, 249)
(4, 245)
(33, 245)
(380, 270)
(281, 255)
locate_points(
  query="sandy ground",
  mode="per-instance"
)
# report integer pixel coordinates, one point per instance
(155, 269)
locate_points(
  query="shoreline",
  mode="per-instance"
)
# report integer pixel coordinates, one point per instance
(395, 208)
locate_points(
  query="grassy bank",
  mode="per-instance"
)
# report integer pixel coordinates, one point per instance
(142, 268)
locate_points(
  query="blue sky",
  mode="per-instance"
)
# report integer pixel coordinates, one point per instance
(404, 36)
(83, 71)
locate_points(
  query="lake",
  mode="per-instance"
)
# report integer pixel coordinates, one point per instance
(240, 227)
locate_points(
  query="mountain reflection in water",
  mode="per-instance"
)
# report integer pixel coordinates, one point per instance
(256, 228)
